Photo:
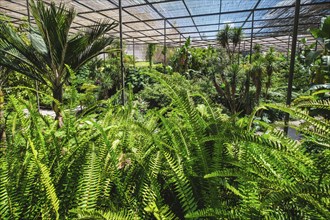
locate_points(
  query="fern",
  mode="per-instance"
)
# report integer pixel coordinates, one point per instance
(101, 215)
(88, 190)
(182, 186)
(8, 206)
(46, 181)
(220, 213)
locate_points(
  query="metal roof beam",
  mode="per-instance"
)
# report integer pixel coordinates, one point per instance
(230, 12)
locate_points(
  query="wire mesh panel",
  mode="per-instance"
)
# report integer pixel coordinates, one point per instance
(143, 20)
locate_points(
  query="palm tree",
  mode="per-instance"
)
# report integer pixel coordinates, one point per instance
(227, 35)
(50, 49)
(270, 62)
(257, 72)
(237, 34)
(223, 36)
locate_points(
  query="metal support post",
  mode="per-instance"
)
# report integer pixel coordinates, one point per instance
(220, 10)
(247, 82)
(251, 39)
(292, 63)
(134, 53)
(121, 54)
(316, 44)
(165, 49)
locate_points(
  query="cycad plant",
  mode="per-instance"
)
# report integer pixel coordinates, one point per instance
(50, 47)
(230, 35)
(271, 68)
(257, 73)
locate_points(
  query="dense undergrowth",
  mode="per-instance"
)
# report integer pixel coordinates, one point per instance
(185, 160)
(196, 139)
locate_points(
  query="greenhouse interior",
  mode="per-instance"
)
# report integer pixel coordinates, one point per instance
(165, 109)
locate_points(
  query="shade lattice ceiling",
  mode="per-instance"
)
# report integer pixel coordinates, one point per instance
(145, 20)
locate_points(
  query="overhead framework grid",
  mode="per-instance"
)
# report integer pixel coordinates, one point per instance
(173, 21)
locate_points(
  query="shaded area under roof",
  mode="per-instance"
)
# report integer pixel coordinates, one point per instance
(143, 20)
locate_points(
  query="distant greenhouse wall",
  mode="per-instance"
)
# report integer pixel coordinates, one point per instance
(140, 51)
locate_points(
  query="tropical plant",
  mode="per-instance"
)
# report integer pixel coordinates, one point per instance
(50, 47)
(231, 87)
(318, 61)
(185, 160)
(257, 72)
(151, 49)
(271, 67)
(230, 35)
(181, 61)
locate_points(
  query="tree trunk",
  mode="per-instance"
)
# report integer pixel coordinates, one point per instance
(58, 95)
(247, 94)
(2, 121)
(258, 89)
(268, 84)
(226, 94)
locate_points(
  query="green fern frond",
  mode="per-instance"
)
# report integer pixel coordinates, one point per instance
(297, 113)
(88, 189)
(195, 125)
(288, 145)
(101, 215)
(46, 181)
(316, 104)
(323, 210)
(182, 185)
(215, 213)
(8, 207)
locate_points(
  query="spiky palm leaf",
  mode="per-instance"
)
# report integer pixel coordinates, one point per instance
(50, 47)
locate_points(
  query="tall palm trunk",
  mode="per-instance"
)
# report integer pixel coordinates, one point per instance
(58, 96)
(268, 84)
(257, 83)
(51, 47)
(247, 93)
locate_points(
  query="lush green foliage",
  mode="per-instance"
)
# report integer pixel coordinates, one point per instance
(179, 149)
(150, 53)
(181, 161)
(49, 47)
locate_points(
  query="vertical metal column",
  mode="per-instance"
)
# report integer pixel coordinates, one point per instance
(134, 53)
(251, 39)
(36, 82)
(165, 49)
(180, 40)
(247, 82)
(220, 9)
(28, 12)
(121, 54)
(316, 44)
(292, 62)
